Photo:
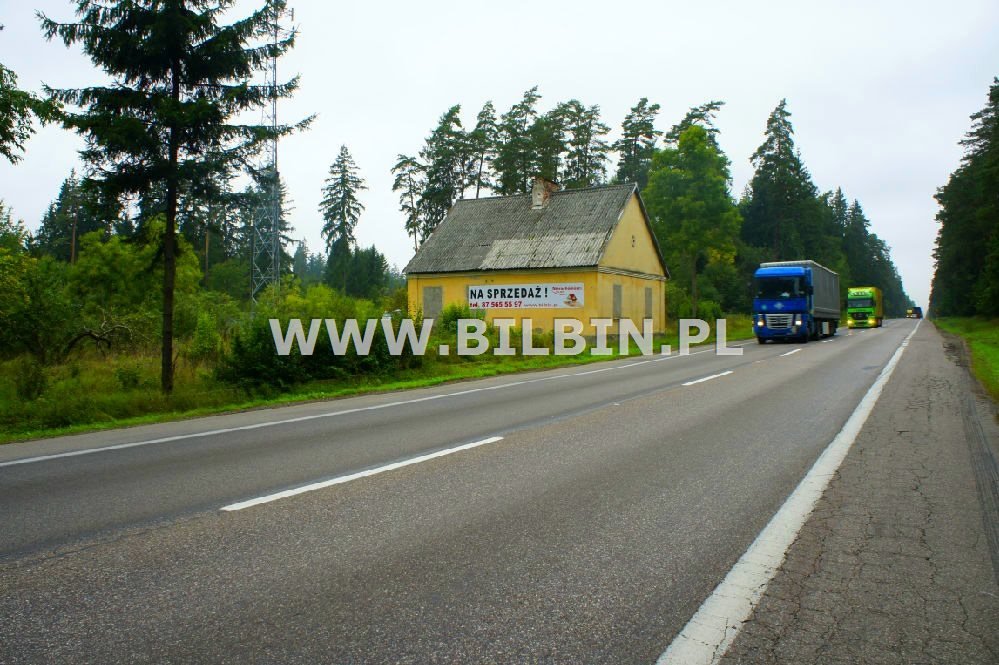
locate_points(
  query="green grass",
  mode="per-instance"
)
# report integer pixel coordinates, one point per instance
(92, 392)
(982, 336)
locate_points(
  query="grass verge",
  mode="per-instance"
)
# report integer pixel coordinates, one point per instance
(982, 336)
(96, 393)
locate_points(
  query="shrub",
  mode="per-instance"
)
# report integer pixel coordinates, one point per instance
(128, 376)
(29, 379)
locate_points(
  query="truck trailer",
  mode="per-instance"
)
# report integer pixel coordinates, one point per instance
(865, 307)
(795, 300)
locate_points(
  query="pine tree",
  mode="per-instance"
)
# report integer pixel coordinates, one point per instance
(445, 154)
(703, 115)
(340, 206)
(586, 149)
(515, 154)
(179, 81)
(482, 146)
(637, 143)
(410, 181)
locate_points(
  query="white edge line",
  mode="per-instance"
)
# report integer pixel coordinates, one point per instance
(339, 480)
(790, 353)
(710, 632)
(707, 378)
(330, 414)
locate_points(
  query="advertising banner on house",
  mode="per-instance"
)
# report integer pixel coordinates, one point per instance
(526, 296)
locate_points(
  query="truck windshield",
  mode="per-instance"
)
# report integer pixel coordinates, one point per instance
(778, 287)
(860, 302)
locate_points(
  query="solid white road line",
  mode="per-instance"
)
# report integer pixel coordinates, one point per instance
(790, 353)
(709, 633)
(329, 414)
(339, 480)
(707, 378)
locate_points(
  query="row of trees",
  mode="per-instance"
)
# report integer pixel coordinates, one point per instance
(501, 154)
(712, 242)
(966, 281)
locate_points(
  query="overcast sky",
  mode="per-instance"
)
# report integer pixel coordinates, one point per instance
(880, 92)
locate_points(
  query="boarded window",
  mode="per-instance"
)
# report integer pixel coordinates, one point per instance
(433, 300)
(648, 302)
(617, 301)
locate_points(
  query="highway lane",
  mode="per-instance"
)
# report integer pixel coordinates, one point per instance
(56, 501)
(612, 505)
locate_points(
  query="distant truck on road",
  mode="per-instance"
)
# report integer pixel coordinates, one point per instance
(914, 313)
(795, 300)
(865, 307)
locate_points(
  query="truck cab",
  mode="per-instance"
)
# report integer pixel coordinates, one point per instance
(864, 307)
(795, 300)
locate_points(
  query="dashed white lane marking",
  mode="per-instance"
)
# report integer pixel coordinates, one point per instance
(316, 416)
(340, 480)
(707, 378)
(791, 352)
(710, 632)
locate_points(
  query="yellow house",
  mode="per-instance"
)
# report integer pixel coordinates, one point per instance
(581, 254)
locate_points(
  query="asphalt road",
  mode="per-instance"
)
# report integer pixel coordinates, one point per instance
(615, 501)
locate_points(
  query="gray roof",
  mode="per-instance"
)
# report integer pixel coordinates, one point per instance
(505, 233)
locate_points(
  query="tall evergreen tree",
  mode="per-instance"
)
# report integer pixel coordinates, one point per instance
(180, 79)
(340, 207)
(515, 154)
(703, 115)
(547, 145)
(72, 215)
(586, 148)
(966, 279)
(410, 181)
(637, 143)
(482, 147)
(445, 154)
(783, 204)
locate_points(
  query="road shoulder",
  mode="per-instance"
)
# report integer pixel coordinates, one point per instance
(895, 564)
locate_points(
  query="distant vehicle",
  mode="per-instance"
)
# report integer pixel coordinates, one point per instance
(914, 313)
(795, 300)
(865, 307)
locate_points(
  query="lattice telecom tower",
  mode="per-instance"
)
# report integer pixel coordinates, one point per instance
(266, 236)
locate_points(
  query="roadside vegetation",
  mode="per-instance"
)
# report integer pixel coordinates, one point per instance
(227, 361)
(982, 336)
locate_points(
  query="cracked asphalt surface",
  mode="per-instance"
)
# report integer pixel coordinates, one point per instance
(896, 565)
(616, 501)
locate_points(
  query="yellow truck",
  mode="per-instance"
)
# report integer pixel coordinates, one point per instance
(865, 307)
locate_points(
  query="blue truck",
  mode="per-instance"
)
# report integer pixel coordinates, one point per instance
(795, 300)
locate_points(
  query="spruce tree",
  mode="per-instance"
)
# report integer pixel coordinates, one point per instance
(445, 154)
(340, 207)
(783, 200)
(180, 80)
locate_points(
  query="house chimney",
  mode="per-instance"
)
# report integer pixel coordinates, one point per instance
(541, 192)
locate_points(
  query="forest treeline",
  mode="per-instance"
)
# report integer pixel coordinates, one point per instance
(154, 242)
(966, 281)
(713, 242)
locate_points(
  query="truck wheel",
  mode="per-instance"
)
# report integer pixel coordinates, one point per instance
(761, 340)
